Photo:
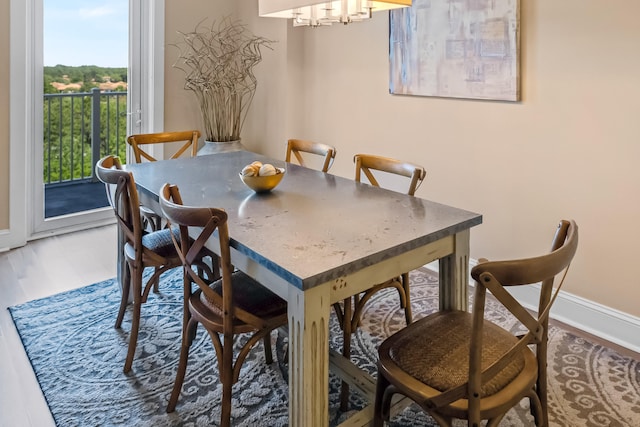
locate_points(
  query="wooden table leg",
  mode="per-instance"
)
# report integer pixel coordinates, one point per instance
(309, 357)
(454, 275)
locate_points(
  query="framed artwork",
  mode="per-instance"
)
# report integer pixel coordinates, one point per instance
(456, 49)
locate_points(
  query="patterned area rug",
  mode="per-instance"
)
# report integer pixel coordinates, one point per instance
(78, 356)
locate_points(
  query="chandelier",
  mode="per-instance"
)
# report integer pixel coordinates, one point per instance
(316, 13)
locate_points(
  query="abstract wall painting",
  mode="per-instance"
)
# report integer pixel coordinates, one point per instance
(456, 48)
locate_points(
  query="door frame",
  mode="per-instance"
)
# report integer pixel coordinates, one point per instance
(146, 22)
(20, 36)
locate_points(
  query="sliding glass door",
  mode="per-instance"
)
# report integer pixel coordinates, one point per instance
(97, 77)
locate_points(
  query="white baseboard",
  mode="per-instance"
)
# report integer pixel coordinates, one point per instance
(596, 319)
(604, 322)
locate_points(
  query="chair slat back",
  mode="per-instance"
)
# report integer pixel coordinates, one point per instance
(366, 163)
(141, 142)
(537, 269)
(297, 146)
(123, 197)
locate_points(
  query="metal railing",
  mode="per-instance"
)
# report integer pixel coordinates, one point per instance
(80, 128)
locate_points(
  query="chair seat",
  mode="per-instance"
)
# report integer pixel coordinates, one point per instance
(158, 241)
(248, 295)
(435, 350)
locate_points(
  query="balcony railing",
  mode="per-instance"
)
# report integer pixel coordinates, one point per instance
(80, 128)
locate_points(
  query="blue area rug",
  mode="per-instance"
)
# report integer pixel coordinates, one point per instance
(77, 356)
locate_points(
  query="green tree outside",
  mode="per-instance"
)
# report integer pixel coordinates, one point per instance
(67, 123)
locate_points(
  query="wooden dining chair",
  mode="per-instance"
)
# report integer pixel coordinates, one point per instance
(456, 364)
(297, 147)
(349, 312)
(141, 249)
(234, 304)
(183, 141)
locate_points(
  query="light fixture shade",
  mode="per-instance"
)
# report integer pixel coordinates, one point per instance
(316, 13)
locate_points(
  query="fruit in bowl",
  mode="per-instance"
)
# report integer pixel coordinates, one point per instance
(261, 177)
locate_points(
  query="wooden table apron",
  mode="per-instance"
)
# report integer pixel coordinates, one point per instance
(314, 240)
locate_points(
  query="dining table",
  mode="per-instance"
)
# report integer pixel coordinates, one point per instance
(314, 240)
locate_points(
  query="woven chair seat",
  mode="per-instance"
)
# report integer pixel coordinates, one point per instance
(248, 295)
(435, 350)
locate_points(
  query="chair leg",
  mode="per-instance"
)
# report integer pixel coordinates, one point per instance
(441, 420)
(136, 281)
(227, 380)
(157, 223)
(133, 334)
(380, 412)
(346, 350)
(156, 282)
(541, 386)
(282, 333)
(268, 354)
(215, 266)
(407, 299)
(495, 422)
(187, 339)
(124, 299)
(535, 407)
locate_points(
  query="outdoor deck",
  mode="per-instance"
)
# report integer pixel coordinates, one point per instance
(75, 197)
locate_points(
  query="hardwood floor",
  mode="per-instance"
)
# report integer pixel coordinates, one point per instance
(41, 268)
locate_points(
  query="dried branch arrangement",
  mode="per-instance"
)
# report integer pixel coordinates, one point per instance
(218, 63)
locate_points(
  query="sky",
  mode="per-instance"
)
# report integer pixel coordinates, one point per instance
(86, 32)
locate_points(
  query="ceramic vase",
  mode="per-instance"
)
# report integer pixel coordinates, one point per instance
(215, 147)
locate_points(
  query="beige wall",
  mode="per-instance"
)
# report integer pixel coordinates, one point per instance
(181, 109)
(4, 115)
(569, 150)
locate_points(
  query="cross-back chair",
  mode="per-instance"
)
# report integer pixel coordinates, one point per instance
(366, 164)
(456, 364)
(185, 142)
(295, 148)
(349, 312)
(142, 142)
(232, 305)
(141, 249)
